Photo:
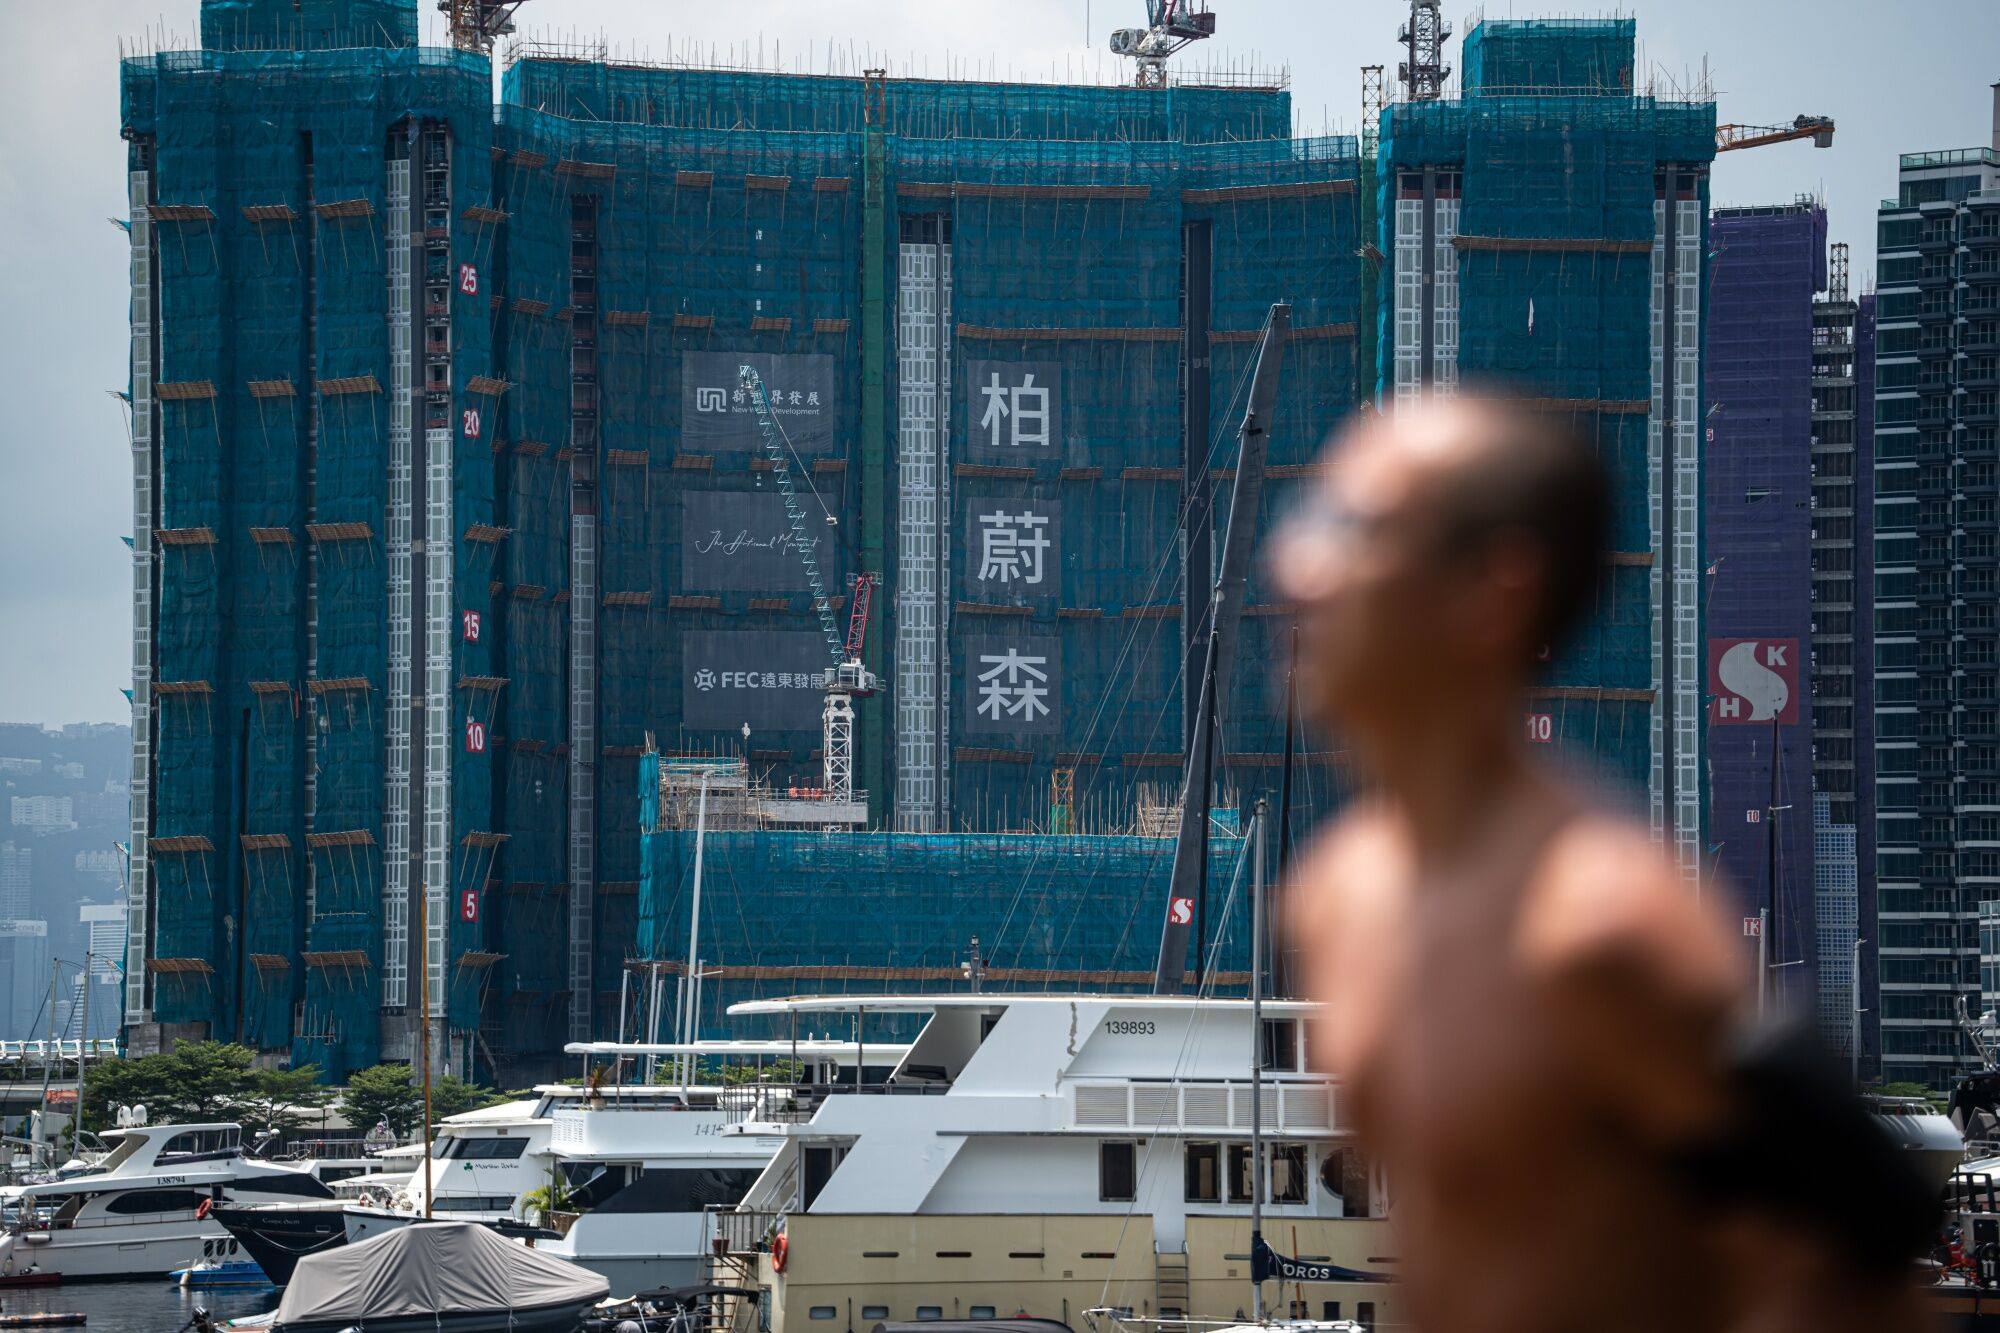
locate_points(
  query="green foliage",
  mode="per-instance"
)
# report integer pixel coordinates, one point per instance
(383, 1093)
(195, 1081)
(283, 1099)
(1922, 1091)
(392, 1093)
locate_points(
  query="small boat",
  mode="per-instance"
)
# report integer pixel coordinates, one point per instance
(221, 1273)
(454, 1277)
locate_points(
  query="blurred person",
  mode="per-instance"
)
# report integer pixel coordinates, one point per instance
(1539, 1033)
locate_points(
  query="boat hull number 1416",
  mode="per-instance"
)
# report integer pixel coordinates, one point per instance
(1130, 1027)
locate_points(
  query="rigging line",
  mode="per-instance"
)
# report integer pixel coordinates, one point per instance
(1167, 558)
(1198, 1016)
(799, 463)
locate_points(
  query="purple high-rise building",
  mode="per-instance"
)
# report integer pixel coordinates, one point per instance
(1757, 528)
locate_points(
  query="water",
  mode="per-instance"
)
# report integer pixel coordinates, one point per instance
(137, 1307)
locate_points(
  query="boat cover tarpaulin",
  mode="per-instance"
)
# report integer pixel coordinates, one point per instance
(432, 1268)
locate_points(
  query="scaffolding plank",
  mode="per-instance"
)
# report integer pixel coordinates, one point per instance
(487, 385)
(1164, 334)
(203, 536)
(595, 171)
(1553, 245)
(628, 319)
(1243, 194)
(348, 384)
(628, 599)
(180, 213)
(487, 534)
(280, 388)
(752, 181)
(694, 180)
(345, 208)
(770, 324)
(265, 842)
(830, 326)
(272, 536)
(831, 184)
(357, 837)
(683, 321)
(339, 532)
(179, 966)
(269, 213)
(481, 214)
(181, 391)
(187, 842)
(174, 687)
(339, 685)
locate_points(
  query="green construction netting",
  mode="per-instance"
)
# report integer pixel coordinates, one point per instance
(279, 25)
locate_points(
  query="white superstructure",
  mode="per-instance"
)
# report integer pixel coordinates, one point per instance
(1045, 1154)
(140, 1212)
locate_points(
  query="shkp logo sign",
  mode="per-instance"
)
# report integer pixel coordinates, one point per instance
(1753, 681)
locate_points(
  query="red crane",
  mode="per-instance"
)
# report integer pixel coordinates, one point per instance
(1729, 138)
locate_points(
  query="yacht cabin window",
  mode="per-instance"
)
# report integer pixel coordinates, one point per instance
(980, 1312)
(1204, 1173)
(874, 1312)
(1239, 1173)
(192, 1144)
(155, 1201)
(1288, 1173)
(487, 1150)
(1117, 1172)
(930, 1312)
(823, 1312)
(1281, 1044)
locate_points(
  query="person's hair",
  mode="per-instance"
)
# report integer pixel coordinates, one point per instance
(1537, 477)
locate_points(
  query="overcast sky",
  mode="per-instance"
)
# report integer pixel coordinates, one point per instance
(1897, 77)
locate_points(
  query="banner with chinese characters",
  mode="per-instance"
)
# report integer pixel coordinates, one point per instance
(1013, 412)
(717, 415)
(741, 541)
(1013, 551)
(1012, 685)
(771, 679)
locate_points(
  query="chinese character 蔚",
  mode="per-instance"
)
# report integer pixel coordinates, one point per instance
(1012, 546)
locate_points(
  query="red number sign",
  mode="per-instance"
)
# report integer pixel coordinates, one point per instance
(1541, 728)
(471, 420)
(475, 737)
(468, 905)
(470, 621)
(468, 279)
(1753, 816)
(1752, 927)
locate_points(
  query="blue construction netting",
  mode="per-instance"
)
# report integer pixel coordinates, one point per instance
(1553, 165)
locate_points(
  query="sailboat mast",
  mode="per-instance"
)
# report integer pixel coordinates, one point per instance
(424, 1041)
(1257, 1058)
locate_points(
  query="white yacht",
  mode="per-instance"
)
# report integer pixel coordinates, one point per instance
(143, 1211)
(637, 1165)
(482, 1162)
(1048, 1155)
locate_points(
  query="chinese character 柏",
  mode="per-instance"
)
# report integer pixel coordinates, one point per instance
(1012, 546)
(1023, 407)
(1014, 685)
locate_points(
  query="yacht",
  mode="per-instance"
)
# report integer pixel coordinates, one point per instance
(482, 1162)
(144, 1210)
(1051, 1155)
(638, 1165)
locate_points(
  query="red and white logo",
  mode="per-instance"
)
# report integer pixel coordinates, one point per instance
(471, 423)
(469, 620)
(468, 905)
(1753, 926)
(1752, 681)
(468, 279)
(1181, 911)
(475, 737)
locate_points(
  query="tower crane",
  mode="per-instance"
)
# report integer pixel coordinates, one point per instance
(1170, 25)
(1729, 138)
(847, 678)
(476, 23)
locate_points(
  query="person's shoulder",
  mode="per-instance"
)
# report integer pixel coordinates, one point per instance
(1345, 865)
(1605, 900)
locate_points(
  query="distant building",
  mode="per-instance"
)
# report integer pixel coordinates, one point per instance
(1843, 494)
(15, 766)
(72, 771)
(17, 866)
(104, 935)
(1757, 531)
(42, 814)
(24, 979)
(1937, 601)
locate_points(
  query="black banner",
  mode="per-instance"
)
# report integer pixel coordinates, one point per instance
(1013, 411)
(741, 541)
(1013, 551)
(771, 679)
(1013, 686)
(1266, 1263)
(717, 415)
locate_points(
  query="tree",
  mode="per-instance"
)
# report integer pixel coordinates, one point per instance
(383, 1093)
(452, 1095)
(195, 1082)
(283, 1099)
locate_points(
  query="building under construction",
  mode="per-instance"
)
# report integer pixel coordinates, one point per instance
(451, 491)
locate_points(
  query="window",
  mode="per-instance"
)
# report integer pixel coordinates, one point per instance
(1288, 1173)
(1239, 1173)
(1204, 1173)
(1329, 1311)
(196, 1143)
(155, 1201)
(930, 1312)
(681, 1190)
(980, 1312)
(472, 1203)
(487, 1150)
(823, 1312)
(1117, 1172)
(874, 1312)
(820, 1161)
(1281, 1043)
(1364, 1313)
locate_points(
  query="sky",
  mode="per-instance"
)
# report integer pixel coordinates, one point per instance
(1898, 78)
